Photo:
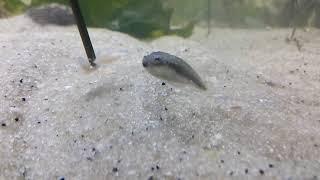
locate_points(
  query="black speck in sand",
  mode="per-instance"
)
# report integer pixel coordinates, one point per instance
(114, 169)
(261, 172)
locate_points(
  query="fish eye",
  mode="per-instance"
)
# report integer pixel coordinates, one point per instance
(157, 58)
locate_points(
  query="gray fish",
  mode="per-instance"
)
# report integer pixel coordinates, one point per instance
(171, 68)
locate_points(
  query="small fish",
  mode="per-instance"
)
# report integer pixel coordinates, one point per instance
(171, 68)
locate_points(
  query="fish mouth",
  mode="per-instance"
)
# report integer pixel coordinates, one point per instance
(144, 64)
(144, 61)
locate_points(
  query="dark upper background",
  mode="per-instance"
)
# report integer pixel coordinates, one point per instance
(154, 18)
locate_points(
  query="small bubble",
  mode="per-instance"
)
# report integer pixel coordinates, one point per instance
(246, 171)
(222, 161)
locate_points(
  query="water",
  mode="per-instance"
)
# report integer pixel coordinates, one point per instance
(259, 117)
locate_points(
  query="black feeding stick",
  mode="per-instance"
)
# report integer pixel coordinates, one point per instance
(209, 16)
(83, 31)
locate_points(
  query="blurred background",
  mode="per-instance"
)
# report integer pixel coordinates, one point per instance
(154, 18)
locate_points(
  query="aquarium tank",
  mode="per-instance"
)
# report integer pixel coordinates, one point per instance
(159, 89)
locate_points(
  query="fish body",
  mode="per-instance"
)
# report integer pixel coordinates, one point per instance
(171, 68)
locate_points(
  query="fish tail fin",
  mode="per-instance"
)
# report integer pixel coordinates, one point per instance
(203, 87)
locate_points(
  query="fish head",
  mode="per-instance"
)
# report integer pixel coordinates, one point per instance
(155, 59)
(158, 65)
